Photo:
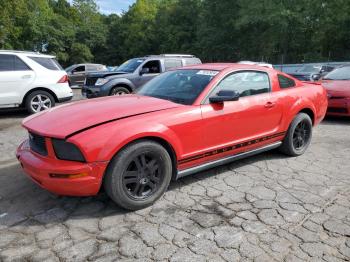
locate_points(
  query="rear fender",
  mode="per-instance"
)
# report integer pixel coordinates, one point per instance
(302, 103)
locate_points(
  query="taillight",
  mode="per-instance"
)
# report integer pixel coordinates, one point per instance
(63, 79)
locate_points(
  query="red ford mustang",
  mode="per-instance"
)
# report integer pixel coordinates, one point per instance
(337, 84)
(179, 123)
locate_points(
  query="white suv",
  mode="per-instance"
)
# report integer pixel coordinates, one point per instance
(32, 80)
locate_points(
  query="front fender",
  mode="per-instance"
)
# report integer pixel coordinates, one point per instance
(110, 138)
(106, 88)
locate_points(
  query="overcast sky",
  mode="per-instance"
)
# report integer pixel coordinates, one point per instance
(114, 6)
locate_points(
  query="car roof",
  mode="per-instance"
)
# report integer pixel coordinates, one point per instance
(174, 56)
(223, 66)
(26, 53)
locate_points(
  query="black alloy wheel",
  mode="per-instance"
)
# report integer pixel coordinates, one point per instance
(298, 137)
(143, 176)
(301, 135)
(138, 175)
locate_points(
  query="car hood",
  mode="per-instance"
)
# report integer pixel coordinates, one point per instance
(72, 118)
(105, 74)
(339, 86)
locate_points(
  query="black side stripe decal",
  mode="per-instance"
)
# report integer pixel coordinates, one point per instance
(230, 148)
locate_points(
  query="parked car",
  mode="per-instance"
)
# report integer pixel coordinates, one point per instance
(337, 84)
(133, 74)
(181, 122)
(312, 72)
(31, 80)
(77, 73)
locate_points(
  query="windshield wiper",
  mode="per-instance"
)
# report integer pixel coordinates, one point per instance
(171, 99)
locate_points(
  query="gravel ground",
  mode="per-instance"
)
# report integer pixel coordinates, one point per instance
(265, 208)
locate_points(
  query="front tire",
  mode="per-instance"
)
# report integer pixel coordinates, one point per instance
(138, 175)
(298, 136)
(38, 101)
(119, 91)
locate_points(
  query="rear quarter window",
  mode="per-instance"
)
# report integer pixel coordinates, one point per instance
(20, 65)
(48, 63)
(285, 82)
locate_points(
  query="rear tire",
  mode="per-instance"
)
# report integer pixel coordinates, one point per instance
(38, 101)
(119, 91)
(138, 175)
(298, 137)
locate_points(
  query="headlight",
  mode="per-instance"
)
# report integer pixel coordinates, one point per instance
(101, 81)
(67, 151)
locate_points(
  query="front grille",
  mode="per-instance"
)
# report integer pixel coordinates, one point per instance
(338, 110)
(37, 144)
(90, 81)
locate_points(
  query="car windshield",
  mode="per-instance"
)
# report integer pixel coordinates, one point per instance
(131, 65)
(342, 73)
(310, 68)
(180, 86)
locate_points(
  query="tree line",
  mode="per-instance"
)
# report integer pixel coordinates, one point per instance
(274, 31)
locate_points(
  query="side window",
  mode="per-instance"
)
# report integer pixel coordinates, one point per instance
(48, 63)
(20, 65)
(285, 82)
(246, 83)
(172, 63)
(328, 69)
(7, 63)
(79, 69)
(153, 66)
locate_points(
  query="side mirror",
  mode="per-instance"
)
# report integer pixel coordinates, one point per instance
(224, 95)
(315, 77)
(144, 70)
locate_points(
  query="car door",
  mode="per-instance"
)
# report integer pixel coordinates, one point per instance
(77, 76)
(148, 70)
(254, 118)
(15, 77)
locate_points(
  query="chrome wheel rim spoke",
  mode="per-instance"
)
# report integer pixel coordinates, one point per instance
(40, 102)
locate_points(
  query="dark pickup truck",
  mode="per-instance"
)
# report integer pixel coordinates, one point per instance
(133, 74)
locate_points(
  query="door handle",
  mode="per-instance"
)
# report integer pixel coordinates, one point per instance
(270, 104)
(26, 76)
